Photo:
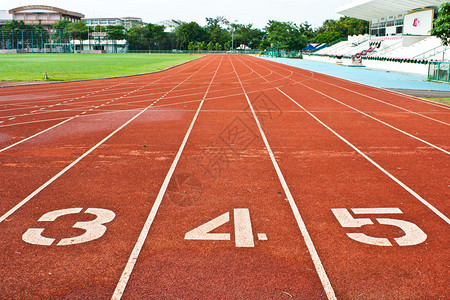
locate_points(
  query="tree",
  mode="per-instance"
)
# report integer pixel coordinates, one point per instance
(60, 35)
(441, 25)
(286, 34)
(147, 37)
(336, 29)
(200, 46)
(245, 34)
(190, 32)
(327, 37)
(115, 33)
(216, 28)
(218, 47)
(78, 31)
(210, 46)
(191, 46)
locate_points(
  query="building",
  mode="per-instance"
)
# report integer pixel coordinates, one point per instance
(5, 17)
(399, 17)
(43, 15)
(126, 22)
(129, 22)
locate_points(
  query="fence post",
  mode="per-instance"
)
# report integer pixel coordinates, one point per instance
(448, 72)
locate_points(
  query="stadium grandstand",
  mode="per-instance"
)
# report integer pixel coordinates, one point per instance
(399, 32)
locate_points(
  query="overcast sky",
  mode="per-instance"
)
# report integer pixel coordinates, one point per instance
(257, 12)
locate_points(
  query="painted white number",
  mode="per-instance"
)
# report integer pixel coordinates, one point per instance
(413, 234)
(242, 229)
(94, 229)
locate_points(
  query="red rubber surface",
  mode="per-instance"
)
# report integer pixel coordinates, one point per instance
(224, 165)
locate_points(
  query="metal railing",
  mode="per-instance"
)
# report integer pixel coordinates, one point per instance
(432, 52)
(387, 49)
(439, 71)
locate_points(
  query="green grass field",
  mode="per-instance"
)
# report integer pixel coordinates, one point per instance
(59, 67)
(439, 100)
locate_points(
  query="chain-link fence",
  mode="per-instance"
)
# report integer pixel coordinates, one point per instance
(34, 41)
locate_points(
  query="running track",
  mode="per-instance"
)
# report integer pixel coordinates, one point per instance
(226, 177)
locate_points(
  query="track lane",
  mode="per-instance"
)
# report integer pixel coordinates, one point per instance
(393, 150)
(119, 176)
(10, 136)
(325, 174)
(236, 177)
(36, 161)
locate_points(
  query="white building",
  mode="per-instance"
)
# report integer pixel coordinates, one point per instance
(5, 17)
(126, 22)
(399, 17)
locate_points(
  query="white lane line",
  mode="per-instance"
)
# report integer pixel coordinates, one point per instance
(301, 224)
(35, 135)
(38, 190)
(384, 102)
(121, 285)
(378, 120)
(29, 197)
(367, 115)
(282, 66)
(408, 189)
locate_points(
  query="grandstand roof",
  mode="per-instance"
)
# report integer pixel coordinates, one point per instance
(375, 9)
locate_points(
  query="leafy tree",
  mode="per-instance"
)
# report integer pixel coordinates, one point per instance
(307, 30)
(337, 29)
(245, 34)
(327, 37)
(146, 37)
(59, 28)
(201, 46)
(191, 46)
(210, 46)
(190, 32)
(115, 33)
(17, 25)
(227, 45)
(218, 47)
(216, 28)
(77, 30)
(441, 28)
(286, 34)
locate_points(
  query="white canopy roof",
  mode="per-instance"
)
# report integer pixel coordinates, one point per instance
(375, 9)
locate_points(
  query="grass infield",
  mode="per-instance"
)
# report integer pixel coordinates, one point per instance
(439, 100)
(60, 67)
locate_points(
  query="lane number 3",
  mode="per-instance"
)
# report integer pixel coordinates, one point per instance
(413, 234)
(94, 229)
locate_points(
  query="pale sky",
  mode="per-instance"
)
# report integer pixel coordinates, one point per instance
(257, 12)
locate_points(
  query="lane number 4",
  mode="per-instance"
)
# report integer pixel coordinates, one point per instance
(94, 229)
(242, 229)
(413, 234)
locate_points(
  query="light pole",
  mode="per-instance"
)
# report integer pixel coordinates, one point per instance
(232, 35)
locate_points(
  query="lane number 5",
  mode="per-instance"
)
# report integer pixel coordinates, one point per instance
(94, 229)
(413, 234)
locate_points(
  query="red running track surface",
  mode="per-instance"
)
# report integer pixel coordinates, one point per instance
(226, 177)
